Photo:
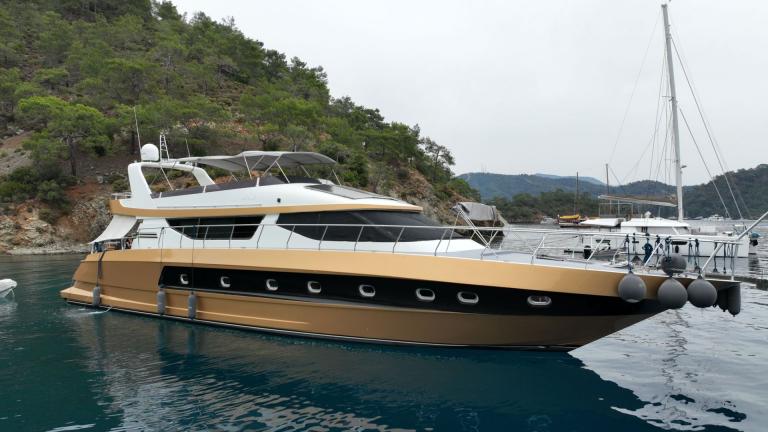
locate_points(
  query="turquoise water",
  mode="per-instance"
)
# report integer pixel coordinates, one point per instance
(64, 367)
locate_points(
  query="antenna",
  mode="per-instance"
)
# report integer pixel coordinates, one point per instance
(164, 148)
(187, 145)
(136, 121)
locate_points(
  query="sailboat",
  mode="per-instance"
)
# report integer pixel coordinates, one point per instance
(572, 220)
(625, 220)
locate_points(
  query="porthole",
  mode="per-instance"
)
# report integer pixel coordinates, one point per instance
(225, 282)
(271, 285)
(314, 287)
(425, 295)
(367, 291)
(468, 298)
(184, 279)
(539, 301)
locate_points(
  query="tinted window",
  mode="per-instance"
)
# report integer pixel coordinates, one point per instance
(419, 226)
(222, 228)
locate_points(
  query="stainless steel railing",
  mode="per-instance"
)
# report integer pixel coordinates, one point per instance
(550, 244)
(120, 195)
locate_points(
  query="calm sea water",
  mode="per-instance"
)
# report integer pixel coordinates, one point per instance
(64, 367)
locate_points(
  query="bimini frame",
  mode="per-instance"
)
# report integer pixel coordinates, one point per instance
(255, 160)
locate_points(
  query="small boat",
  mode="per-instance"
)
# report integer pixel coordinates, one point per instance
(6, 287)
(475, 215)
(546, 220)
(570, 221)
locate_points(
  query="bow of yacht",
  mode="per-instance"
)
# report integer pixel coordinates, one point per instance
(304, 255)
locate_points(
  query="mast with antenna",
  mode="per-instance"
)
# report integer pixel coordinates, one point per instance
(675, 130)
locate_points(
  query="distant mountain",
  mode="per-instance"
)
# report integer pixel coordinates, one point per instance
(583, 179)
(508, 185)
(750, 188)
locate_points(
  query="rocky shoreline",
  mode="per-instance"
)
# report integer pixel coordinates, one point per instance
(25, 229)
(63, 249)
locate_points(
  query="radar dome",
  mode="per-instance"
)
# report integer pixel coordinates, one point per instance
(149, 153)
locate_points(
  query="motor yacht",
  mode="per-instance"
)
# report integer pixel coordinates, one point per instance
(307, 256)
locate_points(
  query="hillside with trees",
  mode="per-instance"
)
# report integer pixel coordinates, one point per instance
(750, 190)
(74, 72)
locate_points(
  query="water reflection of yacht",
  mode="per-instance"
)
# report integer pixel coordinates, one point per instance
(302, 255)
(207, 376)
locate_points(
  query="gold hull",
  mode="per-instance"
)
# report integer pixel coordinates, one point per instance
(129, 281)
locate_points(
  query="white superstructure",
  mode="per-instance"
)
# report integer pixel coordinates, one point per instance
(275, 207)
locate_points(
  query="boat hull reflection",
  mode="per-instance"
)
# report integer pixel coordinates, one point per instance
(170, 375)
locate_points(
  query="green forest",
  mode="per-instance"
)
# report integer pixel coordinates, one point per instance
(72, 73)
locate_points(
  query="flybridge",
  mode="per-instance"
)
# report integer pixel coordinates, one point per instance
(247, 161)
(278, 181)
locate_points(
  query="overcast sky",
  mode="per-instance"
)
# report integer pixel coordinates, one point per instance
(533, 86)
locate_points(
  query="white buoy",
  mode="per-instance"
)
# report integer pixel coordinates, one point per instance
(6, 287)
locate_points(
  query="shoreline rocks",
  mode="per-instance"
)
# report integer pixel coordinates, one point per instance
(56, 249)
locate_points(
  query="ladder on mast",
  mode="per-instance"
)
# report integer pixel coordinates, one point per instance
(164, 155)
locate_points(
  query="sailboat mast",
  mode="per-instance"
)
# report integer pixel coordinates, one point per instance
(576, 197)
(675, 130)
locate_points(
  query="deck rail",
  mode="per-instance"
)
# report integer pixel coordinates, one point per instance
(119, 195)
(496, 242)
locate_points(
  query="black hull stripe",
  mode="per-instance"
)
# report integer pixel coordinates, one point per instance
(400, 293)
